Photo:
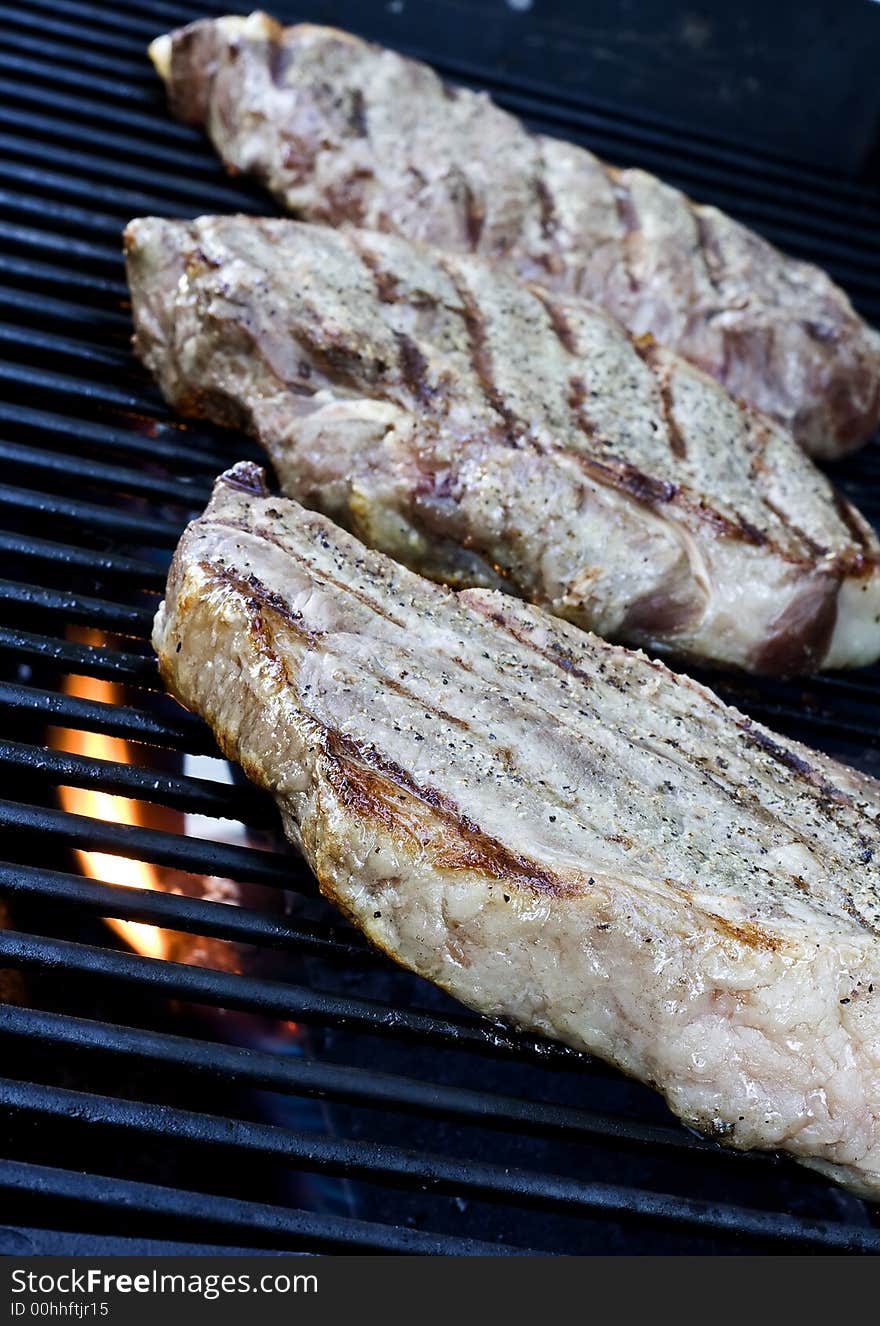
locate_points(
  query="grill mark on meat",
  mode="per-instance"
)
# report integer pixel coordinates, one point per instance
(629, 224)
(577, 392)
(549, 220)
(555, 655)
(481, 356)
(615, 473)
(646, 347)
(318, 573)
(376, 789)
(259, 598)
(750, 532)
(278, 61)
(357, 117)
(414, 369)
(338, 361)
(743, 796)
(409, 694)
(577, 395)
(783, 517)
(850, 520)
(761, 740)
(676, 438)
(474, 215)
(745, 932)
(558, 321)
(386, 284)
(550, 258)
(705, 246)
(612, 472)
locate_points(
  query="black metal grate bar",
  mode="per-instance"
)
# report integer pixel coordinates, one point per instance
(160, 443)
(91, 515)
(118, 617)
(159, 848)
(383, 1091)
(181, 492)
(196, 796)
(202, 985)
(85, 660)
(179, 912)
(298, 1229)
(110, 565)
(180, 732)
(428, 1173)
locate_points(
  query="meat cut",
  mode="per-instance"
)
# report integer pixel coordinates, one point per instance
(344, 132)
(558, 831)
(487, 433)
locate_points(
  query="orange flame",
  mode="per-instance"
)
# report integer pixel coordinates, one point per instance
(145, 939)
(102, 805)
(148, 940)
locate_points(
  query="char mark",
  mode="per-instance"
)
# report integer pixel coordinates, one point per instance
(279, 58)
(816, 549)
(555, 653)
(558, 321)
(751, 533)
(386, 283)
(481, 357)
(414, 369)
(762, 741)
(267, 535)
(850, 519)
(381, 791)
(629, 224)
(260, 599)
(550, 257)
(357, 115)
(707, 248)
(620, 474)
(646, 348)
(549, 220)
(677, 443)
(474, 216)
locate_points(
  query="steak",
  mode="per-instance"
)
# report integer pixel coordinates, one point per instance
(344, 132)
(489, 434)
(559, 832)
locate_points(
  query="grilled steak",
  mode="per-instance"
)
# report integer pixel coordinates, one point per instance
(559, 832)
(485, 433)
(344, 132)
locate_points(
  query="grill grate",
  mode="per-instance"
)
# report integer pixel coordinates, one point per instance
(434, 1130)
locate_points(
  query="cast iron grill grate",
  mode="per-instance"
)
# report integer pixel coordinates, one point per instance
(155, 1099)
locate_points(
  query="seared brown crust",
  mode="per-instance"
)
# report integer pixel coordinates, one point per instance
(561, 833)
(344, 132)
(487, 432)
